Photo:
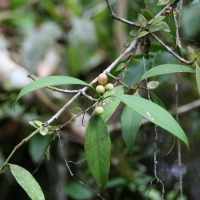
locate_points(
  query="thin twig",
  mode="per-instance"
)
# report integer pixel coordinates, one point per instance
(155, 147)
(73, 118)
(130, 49)
(118, 80)
(75, 163)
(171, 51)
(114, 16)
(16, 147)
(179, 143)
(56, 89)
(177, 100)
(178, 41)
(162, 12)
(89, 97)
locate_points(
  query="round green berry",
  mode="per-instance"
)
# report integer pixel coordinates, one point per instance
(109, 86)
(102, 79)
(99, 110)
(100, 89)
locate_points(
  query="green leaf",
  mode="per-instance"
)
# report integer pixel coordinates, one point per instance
(134, 68)
(36, 123)
(158, 19)
(120, 66)
(198, 78)
(44, 130)
(47, 154)
(191, 50)
(166, 69)
(163, 2)
(164, 26)
(152, 6)
(130, 124)
(77, 191)
(147, 14)
(161, 25)
(77, 111)
(143, 33)
(97, 150)
(154, 28)
(128, 42)
(110, 104)
(133, 33)
(37, 147)
(152, 85)
(156, 100)
(50, 81)
(115, 182)
(155, 114)
(27, 182)
(142, 20)
(52, 128)
(33, 124)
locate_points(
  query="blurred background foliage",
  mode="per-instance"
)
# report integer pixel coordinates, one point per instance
(78, 38)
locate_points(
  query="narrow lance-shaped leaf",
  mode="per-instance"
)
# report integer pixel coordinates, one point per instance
(110, 104)
(155, 114)
(166, 69)
(198, 78)
(50, 81)
(130, 124)
(156, 100)
(27, 182)
(97, 150)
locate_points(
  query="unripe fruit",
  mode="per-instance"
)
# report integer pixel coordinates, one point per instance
(100, 89)
(99, 110)
(102, 79)
(109, 86)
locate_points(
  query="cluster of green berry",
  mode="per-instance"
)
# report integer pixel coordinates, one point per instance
(101, 88)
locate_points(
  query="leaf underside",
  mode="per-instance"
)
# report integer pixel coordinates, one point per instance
(50, 81)
(27, 182)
